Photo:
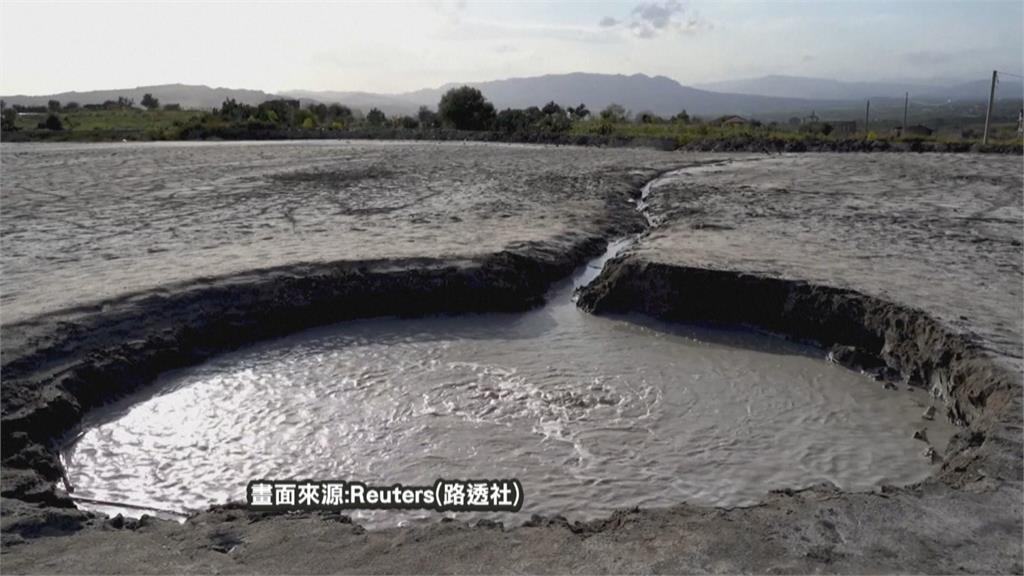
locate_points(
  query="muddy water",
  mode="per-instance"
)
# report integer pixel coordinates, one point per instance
(592, 414)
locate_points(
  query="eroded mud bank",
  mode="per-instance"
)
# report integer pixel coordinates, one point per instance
(892, 341)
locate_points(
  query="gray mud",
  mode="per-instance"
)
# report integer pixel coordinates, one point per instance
(908, 267)
(591, 414)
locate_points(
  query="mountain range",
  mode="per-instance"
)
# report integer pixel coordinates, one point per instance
(757, 97)
(827, 89)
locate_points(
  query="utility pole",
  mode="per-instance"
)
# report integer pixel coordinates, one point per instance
(906, 105)
(988, 114)
(867, 118)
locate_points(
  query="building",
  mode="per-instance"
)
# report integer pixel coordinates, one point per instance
(733, 121)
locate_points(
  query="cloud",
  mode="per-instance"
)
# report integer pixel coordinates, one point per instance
(649, 19)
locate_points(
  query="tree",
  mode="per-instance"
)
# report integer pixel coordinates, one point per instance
(614, 113)
(554, 119)
(149, 102)
(406, 122)
(511, 121)
(466, 108)
(283, 111)
(428, 118)
(340, 114)
(52, 122)
(376, 118)
(71, 106)
(53, 105)
(580, 112)
(8, 118)
(552, 108)
(649, 118)
(681, 118)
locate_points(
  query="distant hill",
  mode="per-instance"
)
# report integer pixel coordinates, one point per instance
(638, 93)
(827, 89)
(388, 103)
(769, 97)
(1007, 88)
(188, 96)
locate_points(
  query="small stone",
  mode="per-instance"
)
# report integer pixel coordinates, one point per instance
(929, 414)
(116, 522)
(920, 435)
(889, 386)
(930, 454)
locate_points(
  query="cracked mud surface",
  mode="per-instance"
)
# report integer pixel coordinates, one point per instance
(111, 219)
(913, 260)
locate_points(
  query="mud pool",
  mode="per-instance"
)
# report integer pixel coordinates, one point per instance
(592, 414)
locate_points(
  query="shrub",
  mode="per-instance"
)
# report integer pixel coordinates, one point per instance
(52, 122)
(428, 118)
(614, 113)
(8, 119)
(466, 108)
(375, 117)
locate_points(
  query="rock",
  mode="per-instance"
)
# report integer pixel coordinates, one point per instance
(855, 359)
(920, 435)
(929, 413)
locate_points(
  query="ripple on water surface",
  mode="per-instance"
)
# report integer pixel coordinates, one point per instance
(592, 414)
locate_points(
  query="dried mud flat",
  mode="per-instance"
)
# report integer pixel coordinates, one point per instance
(908, 265)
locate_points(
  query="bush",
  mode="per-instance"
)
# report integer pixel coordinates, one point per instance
(466, 108)
(52, 122)
(8, 119)
(376, 118)
(614, 113)
(428, 118)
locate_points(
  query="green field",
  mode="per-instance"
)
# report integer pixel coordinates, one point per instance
(131, 124)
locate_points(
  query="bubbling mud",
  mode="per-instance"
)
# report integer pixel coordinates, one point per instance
(592, 414)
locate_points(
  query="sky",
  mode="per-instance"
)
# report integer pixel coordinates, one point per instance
(393, 47)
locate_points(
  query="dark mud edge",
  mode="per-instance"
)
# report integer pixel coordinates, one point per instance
(57, 368)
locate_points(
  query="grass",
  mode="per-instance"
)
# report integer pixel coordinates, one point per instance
(684, 134)
(143, 124)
